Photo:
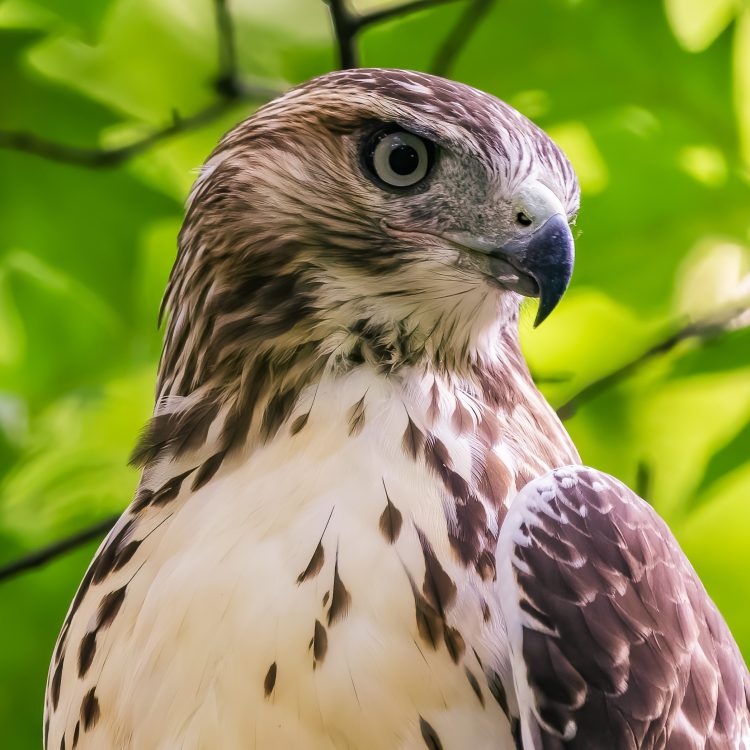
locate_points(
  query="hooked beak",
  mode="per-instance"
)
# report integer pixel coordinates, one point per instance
(538, 264)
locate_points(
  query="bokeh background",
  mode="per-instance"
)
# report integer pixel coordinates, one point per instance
(650, 99)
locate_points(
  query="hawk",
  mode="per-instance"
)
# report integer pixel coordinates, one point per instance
(359, 524)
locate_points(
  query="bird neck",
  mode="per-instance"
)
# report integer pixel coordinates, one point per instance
(271, 388)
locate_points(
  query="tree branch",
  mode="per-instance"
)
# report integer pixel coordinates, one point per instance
(449, 50)
(704, 330)
(347, 24)
(111, 157)
(228, 81)
(345, 33)
(228, 85)
(395, 11)
(56, 549)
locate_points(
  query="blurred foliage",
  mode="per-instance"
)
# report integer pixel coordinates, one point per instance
(652, 103)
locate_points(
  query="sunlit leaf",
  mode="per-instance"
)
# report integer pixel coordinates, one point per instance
(742, 81)
(697, 23)
(727, 459)
(575, 139)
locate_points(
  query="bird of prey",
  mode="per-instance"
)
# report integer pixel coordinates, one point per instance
(359, 524)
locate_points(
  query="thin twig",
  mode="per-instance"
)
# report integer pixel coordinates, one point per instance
(395, 11)
(345, 33)
(704, 330)
(46, 554)
(228, 85)
(449, 50)
(228, 80)
(347, 24)
(111, 157)
(551, 378)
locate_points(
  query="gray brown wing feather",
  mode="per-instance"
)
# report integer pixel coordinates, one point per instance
(618, 642)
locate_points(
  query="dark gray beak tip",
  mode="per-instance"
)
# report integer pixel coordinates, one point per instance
(552, 290)
(537, 264)
(548, 258)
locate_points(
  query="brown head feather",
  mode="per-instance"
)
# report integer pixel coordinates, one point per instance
(292, 261)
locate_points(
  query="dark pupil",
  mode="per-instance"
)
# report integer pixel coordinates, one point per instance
(403, 160)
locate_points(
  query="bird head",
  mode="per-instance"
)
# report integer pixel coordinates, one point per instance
(383, 214)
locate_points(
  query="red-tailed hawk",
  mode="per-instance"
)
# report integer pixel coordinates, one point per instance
(359, 523)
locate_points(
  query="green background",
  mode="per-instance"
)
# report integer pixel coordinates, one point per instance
(650, 100)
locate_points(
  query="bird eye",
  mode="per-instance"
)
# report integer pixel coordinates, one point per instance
(399, 158)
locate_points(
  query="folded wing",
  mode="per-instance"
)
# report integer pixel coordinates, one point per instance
(614, 642)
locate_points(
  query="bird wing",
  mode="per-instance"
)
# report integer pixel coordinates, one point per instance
(614, 642)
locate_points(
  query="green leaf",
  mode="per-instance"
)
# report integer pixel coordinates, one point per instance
(734, 455)
(83, 15)
(729, 352)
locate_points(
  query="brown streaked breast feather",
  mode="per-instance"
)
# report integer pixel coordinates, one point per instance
(413, 440)
(341, 599)
(391, 519)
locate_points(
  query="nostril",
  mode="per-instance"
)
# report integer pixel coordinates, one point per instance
(523, 219)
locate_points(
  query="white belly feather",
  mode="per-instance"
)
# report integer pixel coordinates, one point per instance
(216, 641)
